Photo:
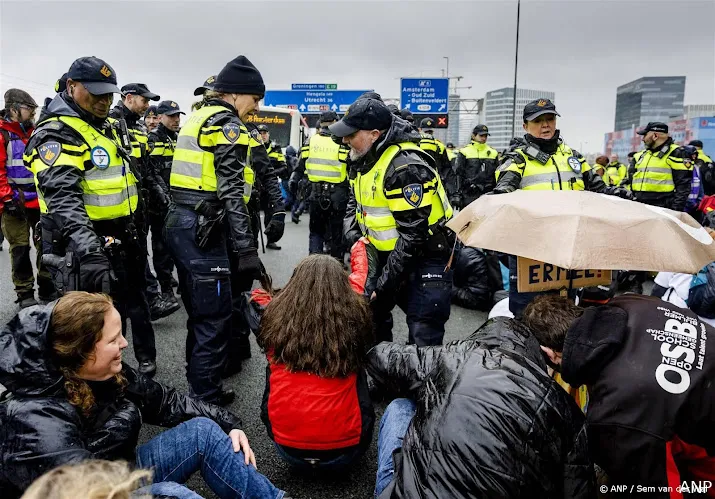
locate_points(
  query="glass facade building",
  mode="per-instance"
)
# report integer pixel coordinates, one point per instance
(651, 98)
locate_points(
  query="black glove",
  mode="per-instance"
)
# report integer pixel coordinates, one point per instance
(14, 208)
(95, 273)
(456, 201)
(249, 263)
(276, 227)
(620, 192)
(352, 237)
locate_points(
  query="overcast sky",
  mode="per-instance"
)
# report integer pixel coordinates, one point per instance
(580, 49)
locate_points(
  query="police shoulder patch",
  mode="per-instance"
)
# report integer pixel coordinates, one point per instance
(575, 164)
(231, 131)
(49, 152)
(413, 194)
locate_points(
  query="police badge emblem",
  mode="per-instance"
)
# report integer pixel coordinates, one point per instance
(575, 164)
(413, 194)
(231, 131)
(49, 152)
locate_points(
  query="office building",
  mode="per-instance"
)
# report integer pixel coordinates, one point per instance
(651, 98)
(499, 113)
(698, 110)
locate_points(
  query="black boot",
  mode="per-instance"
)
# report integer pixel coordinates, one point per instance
(172, 304)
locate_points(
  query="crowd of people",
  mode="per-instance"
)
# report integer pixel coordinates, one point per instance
(501, 413)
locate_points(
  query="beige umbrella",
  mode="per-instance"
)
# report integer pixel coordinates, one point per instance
(584, 230)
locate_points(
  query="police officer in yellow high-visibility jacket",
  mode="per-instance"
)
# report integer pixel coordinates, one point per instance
(134, 103)
(438, 152)
(615, 171)
(89, 196)
(661, 176)
(542, 161)
(325, 163)
(399, 203)
(476, 167)
(208, 227)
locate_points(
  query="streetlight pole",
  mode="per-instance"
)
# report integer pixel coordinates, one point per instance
(516, 67)
(445, 57)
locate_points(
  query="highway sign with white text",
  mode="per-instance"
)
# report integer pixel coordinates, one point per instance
(312, 101)
(424, 95)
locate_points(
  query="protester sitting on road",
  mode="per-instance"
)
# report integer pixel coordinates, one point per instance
(315, 333)
(483, 419)
(73, 399)
(649, 367)
(94, 479)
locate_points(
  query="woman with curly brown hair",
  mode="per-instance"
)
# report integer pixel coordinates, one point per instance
(72, 399)
(315, 333)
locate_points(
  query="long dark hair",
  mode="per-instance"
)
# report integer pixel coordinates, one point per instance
(76, 327)
(317, 323)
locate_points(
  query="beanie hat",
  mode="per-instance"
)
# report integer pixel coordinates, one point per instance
(240, 76)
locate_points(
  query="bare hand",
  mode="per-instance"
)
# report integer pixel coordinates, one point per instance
(373, 296)
(240, 444)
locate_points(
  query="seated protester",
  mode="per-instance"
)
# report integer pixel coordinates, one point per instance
(649, 367)
(474, 281)
(693, 291)
(315, 332)
(72, 399)
(483, 419)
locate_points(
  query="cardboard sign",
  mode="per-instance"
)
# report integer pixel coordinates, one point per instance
(533, 276)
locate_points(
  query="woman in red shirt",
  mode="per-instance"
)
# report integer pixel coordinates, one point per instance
(315, 333)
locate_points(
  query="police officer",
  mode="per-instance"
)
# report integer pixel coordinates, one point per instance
(438, 152)
(451, 154)
(615, 171)
(325, 163)
(89, 198)
(661, 177)
(398, 202)
(134, 103)
(208, 228)
(476, 167)
(706, 167)
(280, 170)
(542, 161)
(162, 143)
(151, 119)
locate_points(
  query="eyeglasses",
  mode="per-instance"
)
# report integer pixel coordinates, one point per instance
(29, 108)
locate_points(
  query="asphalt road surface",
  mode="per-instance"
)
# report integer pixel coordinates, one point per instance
(248, 384)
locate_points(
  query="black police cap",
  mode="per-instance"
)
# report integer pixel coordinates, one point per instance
(363, 114)
(169, 108)
(139, 89)
(427, 123)
(654, 126)
(328, 116)
(150, 111)
(537, 108)
(370, 95)
(407, 115)
(95, 75)
(262, 128)
(481, 130)
(450, 145)
(208, 85)
(696, 143)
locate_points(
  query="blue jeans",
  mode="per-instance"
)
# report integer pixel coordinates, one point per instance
(393, 427)
(337, 463)
(201, 444)
(168, 489)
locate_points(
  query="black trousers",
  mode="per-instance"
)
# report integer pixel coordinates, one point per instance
(328, 204)
(163, 263)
